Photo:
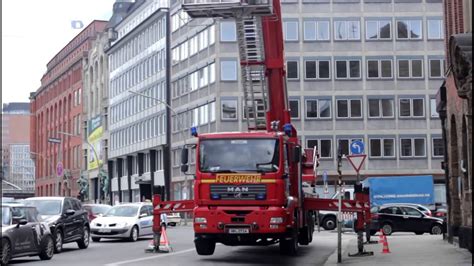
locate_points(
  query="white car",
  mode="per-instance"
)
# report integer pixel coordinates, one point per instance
(173, 219)
(128, 220)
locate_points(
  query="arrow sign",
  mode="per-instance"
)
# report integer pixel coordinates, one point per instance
(356, 161)
(357, 147)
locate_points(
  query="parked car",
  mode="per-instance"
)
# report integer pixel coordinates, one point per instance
(173, 219)
(96, 210)
(419, 207)
(404, 218)
(67, 220)
(128, 220)
(24, 234)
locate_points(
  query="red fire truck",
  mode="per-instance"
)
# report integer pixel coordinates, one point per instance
(248, 185)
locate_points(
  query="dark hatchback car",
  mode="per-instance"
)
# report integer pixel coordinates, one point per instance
(24, 234)
(404, 218)
(66, 218)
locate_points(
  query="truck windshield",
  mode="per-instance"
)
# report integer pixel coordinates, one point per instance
(236, 155)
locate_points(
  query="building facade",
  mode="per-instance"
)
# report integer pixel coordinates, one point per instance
(95, 116)
(455, 106)
(356, 70)
(17, 167)
(56, 115)
(138, 81)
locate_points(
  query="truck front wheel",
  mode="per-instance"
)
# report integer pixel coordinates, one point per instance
(205, 247)
(289, 246)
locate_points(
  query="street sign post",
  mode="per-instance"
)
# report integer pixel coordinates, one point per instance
(356, 161)
(54, 140)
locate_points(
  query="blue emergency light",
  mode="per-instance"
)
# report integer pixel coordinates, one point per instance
(287, 128)
(194, 132)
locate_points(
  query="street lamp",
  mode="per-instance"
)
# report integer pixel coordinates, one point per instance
(95, 155)
(168, 133)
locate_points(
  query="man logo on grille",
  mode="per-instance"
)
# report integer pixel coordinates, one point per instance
(238, 195)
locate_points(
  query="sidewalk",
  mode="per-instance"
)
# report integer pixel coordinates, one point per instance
(405, 249)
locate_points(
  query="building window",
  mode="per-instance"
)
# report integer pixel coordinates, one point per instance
(381, 108)
(411, 107)
(318, 108)
(292, 70)
(381, 147)
(409, 29)
(438, 147)
(294, 108)
(347, 30)
(316, 30)
(316, 69)
(410, 68)
(436, 68)
(290, 30)
(378, 30)
(324, 147)
(435, 29)
(228, 70)
(412, 147)
(349, 108)
(344, 145)
(433, 112)
(228, 109)
(228, 31)
(379, 69)
(347, 69)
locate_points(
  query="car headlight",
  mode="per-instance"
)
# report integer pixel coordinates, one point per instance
(276, 220)
(200, 220)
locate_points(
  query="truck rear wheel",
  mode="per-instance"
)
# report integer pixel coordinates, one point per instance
(205, 247)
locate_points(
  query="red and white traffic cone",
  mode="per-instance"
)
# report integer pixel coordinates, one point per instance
(381, 236)
(385, 245)
(165, 245)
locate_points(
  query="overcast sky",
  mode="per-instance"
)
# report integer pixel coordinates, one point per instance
(33, 31)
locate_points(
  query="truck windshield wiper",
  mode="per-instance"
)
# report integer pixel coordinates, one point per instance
(220, 171)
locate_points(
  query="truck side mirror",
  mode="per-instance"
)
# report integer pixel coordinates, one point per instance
(296, 154)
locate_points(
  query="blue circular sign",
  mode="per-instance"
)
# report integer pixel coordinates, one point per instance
(325, 176)
(357, 147)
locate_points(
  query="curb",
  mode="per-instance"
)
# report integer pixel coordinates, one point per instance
(332, 259)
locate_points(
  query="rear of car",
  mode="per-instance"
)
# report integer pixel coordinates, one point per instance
(173, 219)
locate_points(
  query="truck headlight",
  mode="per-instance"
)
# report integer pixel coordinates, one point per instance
(200, 220)
(276, 220)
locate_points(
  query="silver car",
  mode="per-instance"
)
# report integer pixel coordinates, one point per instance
(128, 221)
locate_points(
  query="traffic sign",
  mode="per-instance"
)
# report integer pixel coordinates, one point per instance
(357, 147)
(59, 169)
(54, 140)
(325, 176)
(356, 160)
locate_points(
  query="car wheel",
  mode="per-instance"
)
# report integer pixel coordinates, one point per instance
(84, 242)
(173, 224)
(387, 229)
(58, 241)
(96, 239)
(133, 234)
(6, 251)
(419, 233)
(329, 223)
(436, 229)
(47, 248)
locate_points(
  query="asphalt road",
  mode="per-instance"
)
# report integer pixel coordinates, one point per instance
(118, 252)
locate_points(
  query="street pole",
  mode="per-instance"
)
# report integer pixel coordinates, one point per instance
(99, 164)
(339, 215)
(169, 108)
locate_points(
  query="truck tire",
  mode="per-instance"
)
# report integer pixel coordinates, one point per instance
(204, 247)
(304, 236)
(329, 223)
(289, 246)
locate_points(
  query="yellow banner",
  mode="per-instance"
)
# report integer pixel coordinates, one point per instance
(238, 178)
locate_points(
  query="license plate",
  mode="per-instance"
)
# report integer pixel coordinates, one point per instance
(105, 230)
(239, 231)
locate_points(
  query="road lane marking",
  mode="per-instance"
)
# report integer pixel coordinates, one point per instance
(149, 258)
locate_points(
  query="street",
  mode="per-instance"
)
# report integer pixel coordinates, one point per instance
(121, 252)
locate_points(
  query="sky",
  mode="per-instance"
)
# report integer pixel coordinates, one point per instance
(33, 32)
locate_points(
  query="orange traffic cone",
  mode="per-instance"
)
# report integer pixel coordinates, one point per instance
(164, 242)
(381, 236)
(385, 245)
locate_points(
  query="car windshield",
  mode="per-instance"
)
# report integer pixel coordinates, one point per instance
(96, 209)
(234, 155)
(122, 211)
(6, 218)
(46, 207)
